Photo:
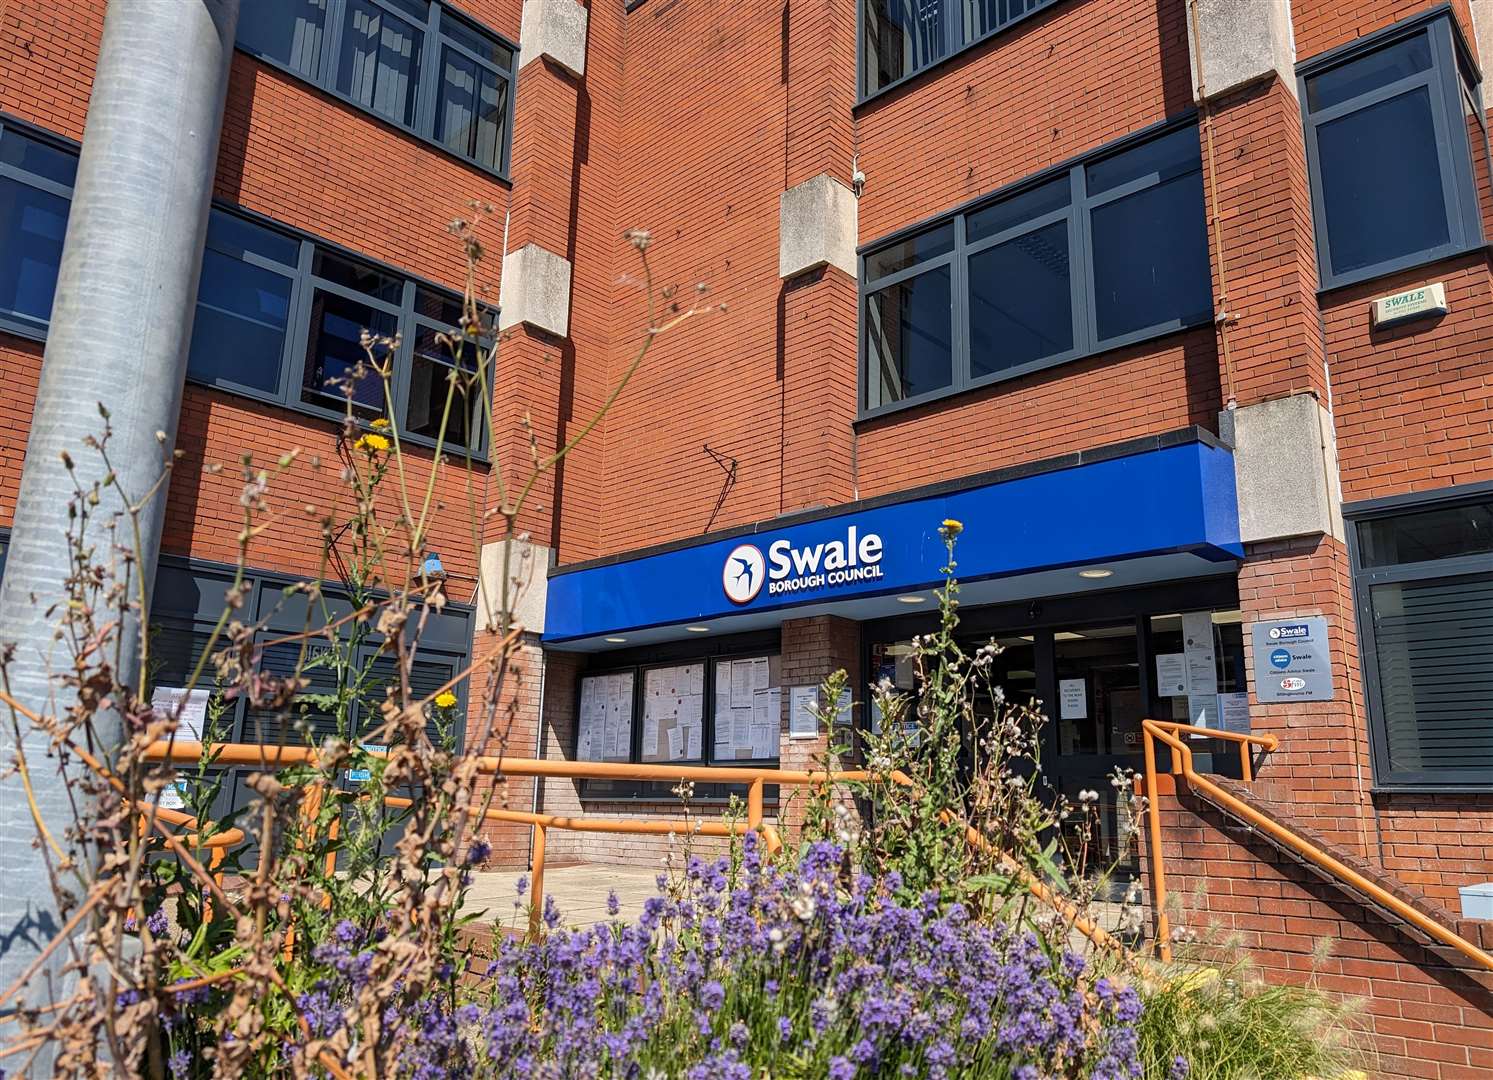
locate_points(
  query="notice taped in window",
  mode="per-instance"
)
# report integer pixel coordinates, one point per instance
(604, 718)
(673, 713)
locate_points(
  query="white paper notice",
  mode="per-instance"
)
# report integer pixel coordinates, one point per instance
(193, 704)
(802, 701)
(764, 741)
(190, 724)
(1233, 713)
(676, 743)
(741, 728)
(842, 708)
(762, 706)
(1202, 710)
(1202, 667)
(1171, 674)
(759, 674)
(650, 735)
(741, 685)
(1073, 699)
(692, 741)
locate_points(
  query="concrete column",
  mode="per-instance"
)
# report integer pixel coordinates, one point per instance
(121, 325)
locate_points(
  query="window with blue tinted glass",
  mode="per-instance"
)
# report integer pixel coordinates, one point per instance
(901, 37)
(243, 305)
(1151, 259)
(279, 316)
(35, 194)
(909, 337)
(413, 62)
(1110, 250)
(32, 225)
(1020, 301)
(1390, 152)
(335, 354)
(290, 31)
(380, 63)
(1375, 215)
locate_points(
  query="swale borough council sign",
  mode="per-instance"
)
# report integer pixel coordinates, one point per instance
(789, 569)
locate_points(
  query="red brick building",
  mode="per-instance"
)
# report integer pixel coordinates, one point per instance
(1184, 308)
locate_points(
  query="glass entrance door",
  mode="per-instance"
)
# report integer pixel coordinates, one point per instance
(1097, 708)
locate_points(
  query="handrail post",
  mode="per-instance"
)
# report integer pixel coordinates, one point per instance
(1158, 867)
(1246, 762)
(536, 883)
(754, 806)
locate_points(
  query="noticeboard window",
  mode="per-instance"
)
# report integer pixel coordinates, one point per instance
(723, 710)
(604, 717)
(673, 714)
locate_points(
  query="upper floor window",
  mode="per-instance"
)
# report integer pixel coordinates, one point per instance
(1396, 137)
(36, 189)
(282, 317)
(413, 62)
(1110, 250)
(1424, 585)
(279, 317)
(900, 37)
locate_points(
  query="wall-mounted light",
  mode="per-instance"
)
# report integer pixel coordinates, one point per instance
(698, 629)
(616, 640)
(910, 599)
(1096, 573)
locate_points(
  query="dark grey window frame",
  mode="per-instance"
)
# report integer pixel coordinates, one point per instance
(1086, 340)
(861, 59)
(638, 662)
(303, 283)
(266, 600)
(432, 42)
(1385, 778)
(9, 322)
(1452, 73)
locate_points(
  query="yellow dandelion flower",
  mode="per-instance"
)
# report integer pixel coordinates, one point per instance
(381, 424)
(951, 528)
(371, 443)
(445, 699)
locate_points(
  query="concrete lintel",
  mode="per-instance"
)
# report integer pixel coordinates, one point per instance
(527, 568)
(535, 290)
(556, 29)
(816, 227)
(1286, 471)
(1243, 41)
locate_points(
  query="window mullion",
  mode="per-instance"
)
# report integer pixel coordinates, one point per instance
(298, 337)
(959, 341)
(430, 50)
(332, 42)
(1085, 327)
(400, 386)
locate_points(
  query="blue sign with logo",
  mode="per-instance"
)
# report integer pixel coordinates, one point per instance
(1281, 658)
(1176, 499)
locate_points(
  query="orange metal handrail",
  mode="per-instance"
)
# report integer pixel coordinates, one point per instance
(1181, 754)
(262, 756)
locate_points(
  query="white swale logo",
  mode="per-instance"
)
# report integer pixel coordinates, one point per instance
(743, 574)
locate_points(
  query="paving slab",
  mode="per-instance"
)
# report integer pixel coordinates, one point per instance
(580, 893)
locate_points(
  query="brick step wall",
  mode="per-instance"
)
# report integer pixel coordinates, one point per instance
(1423, 1013)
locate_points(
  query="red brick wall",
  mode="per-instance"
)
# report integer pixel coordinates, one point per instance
(1322, 767)
(1325, 24)
(1437, 843)
(1422, 1016)
(1124, 394)
(1414, 403)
